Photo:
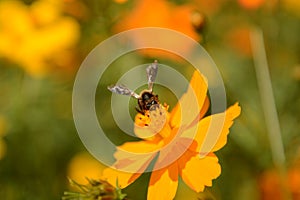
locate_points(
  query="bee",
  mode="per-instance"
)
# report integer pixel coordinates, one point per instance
(147, 100)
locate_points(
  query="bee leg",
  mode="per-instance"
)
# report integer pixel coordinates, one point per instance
(140, 107)
(139, 110)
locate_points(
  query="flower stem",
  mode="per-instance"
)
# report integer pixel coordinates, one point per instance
(269, 107)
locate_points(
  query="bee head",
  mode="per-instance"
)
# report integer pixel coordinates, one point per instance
(149, 99)
(146, 96)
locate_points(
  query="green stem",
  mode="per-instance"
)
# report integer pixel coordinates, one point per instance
(269, 107)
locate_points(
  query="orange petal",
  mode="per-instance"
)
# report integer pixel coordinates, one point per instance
(205, 107)
(134, 157)
(138, 147)
(199, 172)
(123, 179)
(173, 150)
(213, 130)
(163, 183)
(127, 170)
(129, 165)
(134, 163)
(191, 103)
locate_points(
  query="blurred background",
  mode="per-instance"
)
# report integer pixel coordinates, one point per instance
(43, 42)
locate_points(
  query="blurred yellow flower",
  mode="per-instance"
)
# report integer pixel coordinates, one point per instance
(177, 146)
(83, 166)
(32, 36)
(293, 6)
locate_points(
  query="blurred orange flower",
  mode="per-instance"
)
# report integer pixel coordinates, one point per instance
(239, 39)
(162, 13)
(120, 1)
(32, 36)
(177, 146)
(271, 185)
(209, 7)
(251, 4)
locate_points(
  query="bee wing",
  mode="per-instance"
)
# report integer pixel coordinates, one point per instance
(151, 74)
(121, 89)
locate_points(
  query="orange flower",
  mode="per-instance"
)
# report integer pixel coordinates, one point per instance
(239, 39)
(251, 4)
(209, 8)
(161, 13)
(177, 147)
(120, 1)
(270, 184)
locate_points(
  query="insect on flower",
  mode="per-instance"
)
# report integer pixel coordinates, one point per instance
(147, 98)
(148, 102)
(176, 149)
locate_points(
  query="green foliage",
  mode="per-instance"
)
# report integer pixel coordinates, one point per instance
(94, 190)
